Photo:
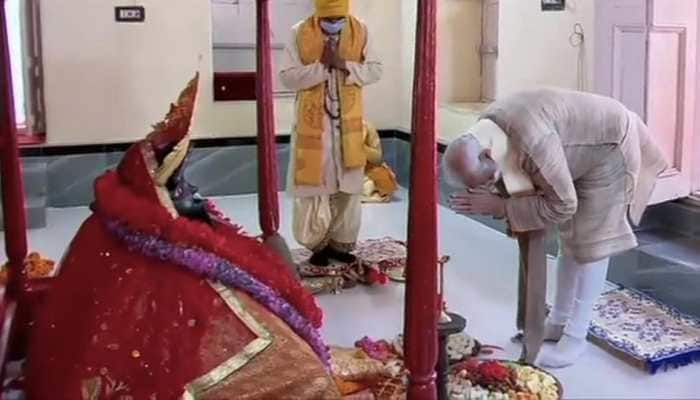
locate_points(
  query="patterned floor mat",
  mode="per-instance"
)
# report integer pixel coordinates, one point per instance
(378, 261)
(645, 332)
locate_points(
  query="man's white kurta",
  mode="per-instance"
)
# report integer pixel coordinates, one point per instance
(590, 159)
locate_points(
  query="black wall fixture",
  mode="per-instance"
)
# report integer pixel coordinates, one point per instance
(553, 5)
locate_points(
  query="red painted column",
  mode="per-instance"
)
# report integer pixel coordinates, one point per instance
(14, 214)
(268, 203)
(422, 300)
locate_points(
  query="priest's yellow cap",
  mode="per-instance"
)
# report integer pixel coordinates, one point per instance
(332, 8)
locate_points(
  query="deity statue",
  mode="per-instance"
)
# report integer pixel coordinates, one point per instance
(159, 296)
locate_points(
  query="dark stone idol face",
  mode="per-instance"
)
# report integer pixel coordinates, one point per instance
(185, 196)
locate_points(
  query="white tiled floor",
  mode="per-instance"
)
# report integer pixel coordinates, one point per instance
(480, 284)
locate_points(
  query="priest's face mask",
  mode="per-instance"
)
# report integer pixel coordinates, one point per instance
(332, 25)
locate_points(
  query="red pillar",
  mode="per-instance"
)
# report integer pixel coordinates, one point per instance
(14, 214)
(422, 302)
(268, 203)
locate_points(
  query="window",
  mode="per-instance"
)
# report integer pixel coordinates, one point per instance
(15, 38)
(25, 61)
(234, 39)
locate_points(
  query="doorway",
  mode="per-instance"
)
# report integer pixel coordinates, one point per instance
(645, 56)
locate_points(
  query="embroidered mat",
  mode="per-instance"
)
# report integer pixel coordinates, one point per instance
(645, 332)
(378, 261)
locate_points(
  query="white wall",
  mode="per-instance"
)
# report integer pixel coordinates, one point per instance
(234, 34)
(695, 185)
(235, 22)
(459, 64)
(534, 48)
(107, 82)
(382, 19)
(408, 14)
(14, 33)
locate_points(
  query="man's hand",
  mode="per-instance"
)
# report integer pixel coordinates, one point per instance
(478, 201)
(328, 55)
(331, 57)
(338, 62)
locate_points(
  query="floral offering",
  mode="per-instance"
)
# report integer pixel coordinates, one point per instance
(375, 369)
(501, 380)
(35, 265)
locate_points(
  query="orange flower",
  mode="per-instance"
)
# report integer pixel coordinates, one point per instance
(34, 265)
(38, 267)
(348, 387)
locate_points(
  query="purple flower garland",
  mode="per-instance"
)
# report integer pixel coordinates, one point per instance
(215, 268)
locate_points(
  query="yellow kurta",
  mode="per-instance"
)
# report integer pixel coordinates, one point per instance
(329, 213)
(297, 76)
(308, 153)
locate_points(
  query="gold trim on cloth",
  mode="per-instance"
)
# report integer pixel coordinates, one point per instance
(91, 388)
(288, 369)
(152, 165)
(172, 161)
(250, 351)
(149, 158)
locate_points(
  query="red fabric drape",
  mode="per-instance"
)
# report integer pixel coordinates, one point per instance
(14, 214)
(142, 325)
(422, 271)
(147, 325)
(268, 202)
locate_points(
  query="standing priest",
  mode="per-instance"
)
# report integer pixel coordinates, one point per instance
(328, 62)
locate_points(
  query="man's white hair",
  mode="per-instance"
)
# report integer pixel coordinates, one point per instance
(454, 149)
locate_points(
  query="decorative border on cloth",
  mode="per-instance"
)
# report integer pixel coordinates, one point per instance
(217, 269)
(200, 385)
(646, 332)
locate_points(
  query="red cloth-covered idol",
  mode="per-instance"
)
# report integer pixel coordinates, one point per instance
(160, 297)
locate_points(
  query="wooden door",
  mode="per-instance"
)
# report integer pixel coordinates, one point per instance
(489, 49)
(671, 90)
(645, 57)
(621, 52)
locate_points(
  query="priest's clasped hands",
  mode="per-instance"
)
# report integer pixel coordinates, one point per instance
(331, 57)
(479, 201)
